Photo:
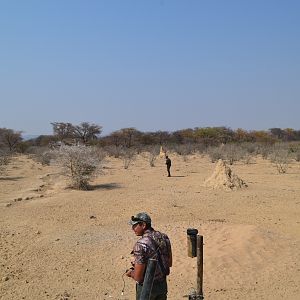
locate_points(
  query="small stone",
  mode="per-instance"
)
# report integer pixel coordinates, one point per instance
(7, 204)
(92, 217)
(38, 232)
(41, 196)
(5, 278)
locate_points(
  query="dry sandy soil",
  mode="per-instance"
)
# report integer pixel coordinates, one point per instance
(57, 243)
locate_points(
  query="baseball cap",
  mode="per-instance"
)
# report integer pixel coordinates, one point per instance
(140, 217)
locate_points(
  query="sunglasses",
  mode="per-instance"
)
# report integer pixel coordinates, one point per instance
(135, 219)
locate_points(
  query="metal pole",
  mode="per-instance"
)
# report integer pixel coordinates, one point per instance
(148, 280)
(200, 266)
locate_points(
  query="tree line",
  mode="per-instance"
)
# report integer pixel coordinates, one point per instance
(80, 149)
(90, 134)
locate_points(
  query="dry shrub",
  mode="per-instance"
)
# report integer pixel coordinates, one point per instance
(200, 148)
(5, 159)
(40, 154)
(151, 154)
(265, 151)
(128, 155)
(215, 153)
(250, 148)
(183, 149)
(113, 151)
(248, 159)
(80, 164)
(280, 157)
(233, 153)
(294, 149)
(227, 152)
(297, 155)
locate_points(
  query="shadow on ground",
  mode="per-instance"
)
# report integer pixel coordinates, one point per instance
(11, 178)
(105, 186)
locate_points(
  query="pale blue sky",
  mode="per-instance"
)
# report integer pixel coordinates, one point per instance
(149, 64)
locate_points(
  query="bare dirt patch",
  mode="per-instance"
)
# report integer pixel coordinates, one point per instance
(76, 244)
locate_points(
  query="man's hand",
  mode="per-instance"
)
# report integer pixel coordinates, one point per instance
(129, 272)
(138, 274)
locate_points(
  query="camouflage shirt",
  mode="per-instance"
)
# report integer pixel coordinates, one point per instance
(152, 245)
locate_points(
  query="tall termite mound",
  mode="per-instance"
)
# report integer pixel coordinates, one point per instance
(223, 177)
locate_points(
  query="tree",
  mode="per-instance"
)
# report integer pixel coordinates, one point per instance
(262, 137)
(277, 133)
(290, 134)
(162, 137)
(214, 135)
(86, 132)
(129, 136)
(241, 135)
(287, 134)
(43, 140)
(62, 130)
(115, 138)
(147, 138)
(184, 136)
(10, 139)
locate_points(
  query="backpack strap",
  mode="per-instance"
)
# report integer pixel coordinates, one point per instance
(158, 255)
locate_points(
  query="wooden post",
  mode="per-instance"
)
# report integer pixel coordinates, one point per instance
(148, 280)
(200, 266)
(192, 242)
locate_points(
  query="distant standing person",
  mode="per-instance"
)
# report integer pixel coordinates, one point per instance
(168, 163)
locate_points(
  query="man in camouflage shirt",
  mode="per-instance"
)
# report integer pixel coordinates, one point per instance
(152, 244)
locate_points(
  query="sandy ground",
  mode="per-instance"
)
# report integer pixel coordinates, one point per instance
(57, 243)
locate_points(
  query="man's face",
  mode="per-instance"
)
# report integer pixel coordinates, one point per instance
(139, 228)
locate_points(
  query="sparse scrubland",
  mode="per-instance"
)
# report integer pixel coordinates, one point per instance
(66, 199)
